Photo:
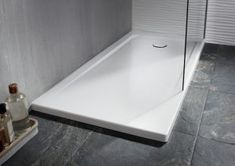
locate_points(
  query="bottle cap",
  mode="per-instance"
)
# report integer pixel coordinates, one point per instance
(13, 89)
(3, 108)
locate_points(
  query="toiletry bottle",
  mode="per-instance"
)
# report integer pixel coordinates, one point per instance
(3, 141)
(6, 123)
(18, 107)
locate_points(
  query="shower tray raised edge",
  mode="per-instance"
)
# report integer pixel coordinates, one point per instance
(156, 124)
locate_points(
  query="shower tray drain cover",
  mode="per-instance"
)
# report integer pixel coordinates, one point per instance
(159, 46)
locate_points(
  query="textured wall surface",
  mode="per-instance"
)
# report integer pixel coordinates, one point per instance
(196, 20)
(221, 22)
(168, 17)
(165, 17)
(42, 41)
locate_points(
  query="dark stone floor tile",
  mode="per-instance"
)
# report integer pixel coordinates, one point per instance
(210, 48)
(54, 145)
(224, 88)
(224, 75)
(208, 57)
(65, 142)
(226, 54)
(212, 153)
(103, 150)
(218, 122)
(203, 74)
(191, 112)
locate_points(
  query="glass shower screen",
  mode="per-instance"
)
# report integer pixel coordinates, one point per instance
(163, 21)
(194, 29)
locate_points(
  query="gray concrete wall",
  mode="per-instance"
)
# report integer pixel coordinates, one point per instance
(42, 41)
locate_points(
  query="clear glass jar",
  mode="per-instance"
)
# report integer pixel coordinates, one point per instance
(18, 108)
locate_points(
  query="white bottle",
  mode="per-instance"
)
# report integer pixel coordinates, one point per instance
(18, 107)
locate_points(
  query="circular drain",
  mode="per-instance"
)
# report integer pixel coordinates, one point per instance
(157, 46)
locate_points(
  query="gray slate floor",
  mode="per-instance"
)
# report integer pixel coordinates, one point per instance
(204, 134)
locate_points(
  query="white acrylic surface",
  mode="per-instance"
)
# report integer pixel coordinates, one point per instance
(131, 87)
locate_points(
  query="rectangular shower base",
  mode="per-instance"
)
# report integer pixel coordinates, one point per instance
(131, 87)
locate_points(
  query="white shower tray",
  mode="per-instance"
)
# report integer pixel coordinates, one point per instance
(117, 90)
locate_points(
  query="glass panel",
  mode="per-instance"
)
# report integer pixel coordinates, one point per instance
(194, 33)
(195, 25)
(162, 27)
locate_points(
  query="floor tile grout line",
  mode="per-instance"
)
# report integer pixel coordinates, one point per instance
(80, 148)
(222, 142)
(198, 87)
(226, 63)
(223, 92)
(199, 126)
(182, 132)
(87, 138)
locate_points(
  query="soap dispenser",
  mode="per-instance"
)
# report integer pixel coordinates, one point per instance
(18, 107)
